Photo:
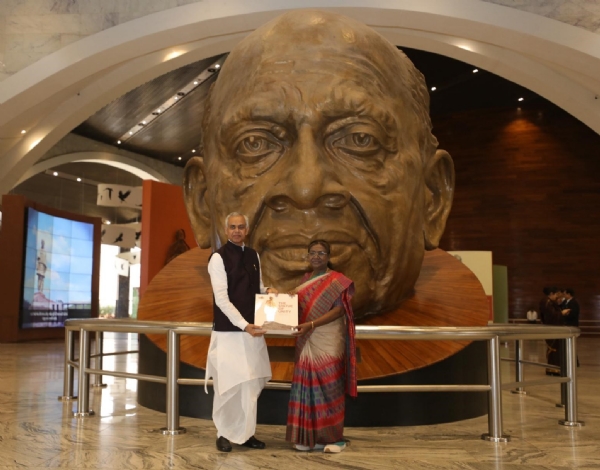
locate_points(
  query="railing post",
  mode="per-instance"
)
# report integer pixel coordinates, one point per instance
(495, 394)
(519, 367)
(83, 404)
(99, 343)
(571, 385)
(172, 407)
(69, 371)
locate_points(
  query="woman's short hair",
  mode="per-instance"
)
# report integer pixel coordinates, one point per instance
(323, 243)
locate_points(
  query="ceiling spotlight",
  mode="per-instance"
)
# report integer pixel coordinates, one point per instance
(144, 123)
(118, 142)
(193, 150)
(178, 158)
(177, 97)
(130, 132)
(195, 82)
(433, 88)
(217, 66)
(475, 70)
(23, 131)
(158, 111)
(55, 173)
(520, 99)
(107, 222)
(79, 180)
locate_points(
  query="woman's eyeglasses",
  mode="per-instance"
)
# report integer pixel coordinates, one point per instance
(320, 254)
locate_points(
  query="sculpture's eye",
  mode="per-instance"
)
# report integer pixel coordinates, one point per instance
(360, 144)
(256, 146)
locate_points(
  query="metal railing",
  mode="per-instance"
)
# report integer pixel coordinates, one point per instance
(493, 335)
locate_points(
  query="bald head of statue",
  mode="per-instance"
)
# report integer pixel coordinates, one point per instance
(318, 127)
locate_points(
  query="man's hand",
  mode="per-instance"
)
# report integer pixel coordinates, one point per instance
(254, 330)
(272, 290)
(566, 311)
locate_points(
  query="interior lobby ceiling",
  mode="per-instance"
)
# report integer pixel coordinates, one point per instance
(174, 135)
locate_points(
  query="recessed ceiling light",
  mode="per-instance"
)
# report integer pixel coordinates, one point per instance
(158, 110)
(79, 180)
(217, 66)
(108, 222)
(521, 99)
(23, 131)
(178, 158)
(144, 123)
(177, 97)
(196, 82)
(475, 70)
(119, 142)
(193, 150)
(433, 88)
(55, 173)
(130, 132)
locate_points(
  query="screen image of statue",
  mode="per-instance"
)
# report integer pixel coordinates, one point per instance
(57, 279)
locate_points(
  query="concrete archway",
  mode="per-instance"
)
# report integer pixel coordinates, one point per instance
(135, 167)
(52, 96)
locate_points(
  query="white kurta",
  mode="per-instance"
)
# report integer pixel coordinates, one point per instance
(238, 363)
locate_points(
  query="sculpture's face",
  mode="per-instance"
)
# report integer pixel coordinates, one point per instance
(316, 140)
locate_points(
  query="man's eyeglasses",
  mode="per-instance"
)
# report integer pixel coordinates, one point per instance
(320, 254)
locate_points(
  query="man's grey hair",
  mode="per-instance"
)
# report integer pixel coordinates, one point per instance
(234, 214)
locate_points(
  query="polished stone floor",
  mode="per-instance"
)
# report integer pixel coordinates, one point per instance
(38, 431)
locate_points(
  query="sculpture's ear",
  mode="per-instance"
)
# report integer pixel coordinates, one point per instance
(439, 191)
(196, 203)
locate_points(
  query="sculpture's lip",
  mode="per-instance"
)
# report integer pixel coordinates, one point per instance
(300, 241)
(291, 251)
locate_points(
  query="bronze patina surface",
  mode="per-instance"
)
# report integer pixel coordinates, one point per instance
(318, 127)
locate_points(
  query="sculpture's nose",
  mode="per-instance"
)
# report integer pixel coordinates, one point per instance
(310, 180)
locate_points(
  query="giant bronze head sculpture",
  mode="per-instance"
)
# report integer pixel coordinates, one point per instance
(317, 127)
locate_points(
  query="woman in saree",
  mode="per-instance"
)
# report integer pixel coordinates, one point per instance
(325, 361)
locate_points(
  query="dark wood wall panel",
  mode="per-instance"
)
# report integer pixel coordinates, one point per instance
(528, 189)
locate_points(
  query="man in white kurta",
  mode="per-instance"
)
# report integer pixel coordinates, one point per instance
(237, 360)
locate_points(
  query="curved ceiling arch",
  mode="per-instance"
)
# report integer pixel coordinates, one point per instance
(135, 167)
(52, 96)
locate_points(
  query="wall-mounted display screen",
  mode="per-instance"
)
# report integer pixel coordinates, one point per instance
(58, 262)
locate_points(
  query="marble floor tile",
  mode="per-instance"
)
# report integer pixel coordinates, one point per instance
(38, 431)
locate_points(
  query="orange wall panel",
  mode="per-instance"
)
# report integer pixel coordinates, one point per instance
(163, 213)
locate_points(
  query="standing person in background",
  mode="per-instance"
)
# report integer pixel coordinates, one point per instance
(551, 314)
(237, 356)
(572, 306)
(325, 362)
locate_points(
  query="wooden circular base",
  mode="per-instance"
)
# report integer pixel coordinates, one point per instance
(447, 293)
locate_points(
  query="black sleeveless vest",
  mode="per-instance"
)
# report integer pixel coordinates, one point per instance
(243, 283)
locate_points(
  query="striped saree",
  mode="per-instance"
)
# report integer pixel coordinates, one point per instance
(325, 363)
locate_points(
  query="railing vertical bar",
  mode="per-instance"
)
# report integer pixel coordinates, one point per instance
(519, 367)
(69, 370)
(571, 385)
(494, 433)
(83, 404)
(172, 407)
(98, 350)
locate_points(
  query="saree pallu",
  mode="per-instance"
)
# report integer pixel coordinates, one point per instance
(325, 363)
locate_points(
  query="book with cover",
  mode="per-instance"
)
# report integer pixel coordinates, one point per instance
(276, 313)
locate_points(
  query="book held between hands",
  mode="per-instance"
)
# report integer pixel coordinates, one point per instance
(276, 313)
